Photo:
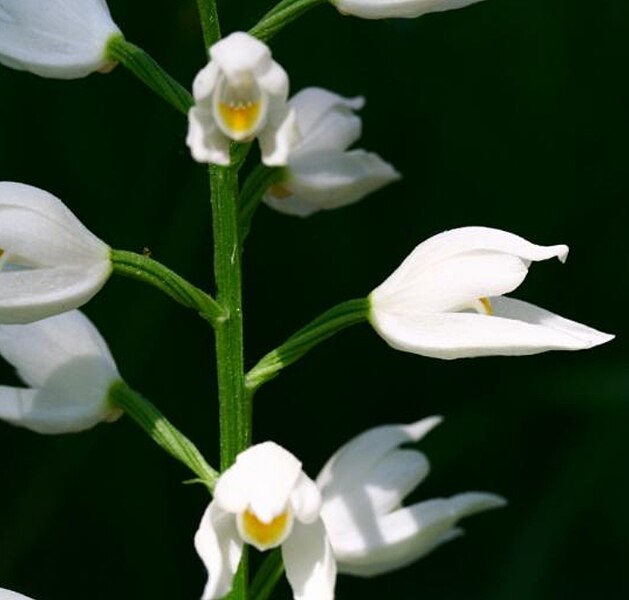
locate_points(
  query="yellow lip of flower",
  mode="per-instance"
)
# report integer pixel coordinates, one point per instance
(240, 117)
(265, 535)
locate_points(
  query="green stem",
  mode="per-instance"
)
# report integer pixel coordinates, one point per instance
(279, 16)
(267, 576)
(149, 72)
(295, 347)
(256, 184)
(209, 21)
(162, 431)
(234, 402)
(143, 268)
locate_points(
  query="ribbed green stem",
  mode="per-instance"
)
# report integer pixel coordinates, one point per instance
(234, 402)
(256, 184)
(162, 431)
(267, 576)
(149, 72)
(209, 21)
(143, 268)
(280, 16)
(295, 347)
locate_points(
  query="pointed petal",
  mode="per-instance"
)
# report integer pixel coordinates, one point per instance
(262, 479)
(67, 40)
(516, 328)
(385, 9)
(310, 565)
(326, 120)
(399, 538)
(351, 464)
(37, 226)
(31, 294)
(328, 179)
(219, 546)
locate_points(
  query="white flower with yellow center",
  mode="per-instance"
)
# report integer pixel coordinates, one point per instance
(321, 173)
(266, 500)
(69, 370)
(446, 299)
(386, 9)
(240, 95)
(363, 486)
(49, 261)
(64, 39)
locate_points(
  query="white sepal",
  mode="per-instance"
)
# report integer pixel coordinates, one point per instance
(9, 595)
(423, 306)
(64, 39)
(69, 369)
(407, 9)
(220, 547)
(51, 262)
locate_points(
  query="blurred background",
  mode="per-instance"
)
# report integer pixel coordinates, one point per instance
(510, 113)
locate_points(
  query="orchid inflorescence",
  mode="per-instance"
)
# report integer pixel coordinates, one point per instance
(446, 300)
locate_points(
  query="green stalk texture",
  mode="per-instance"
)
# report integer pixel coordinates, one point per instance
(281, 15)
(234, 402)
(209, 21)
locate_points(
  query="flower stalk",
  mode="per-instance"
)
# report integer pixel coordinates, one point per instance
(161, 431)
(146, 69)
(143, 268)
(295, 347)
(209, 21)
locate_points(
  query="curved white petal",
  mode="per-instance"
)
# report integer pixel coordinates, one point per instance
(401, 537)
(384, 9)
(464, 241)
(327, 179)
(278, 136)
(325, 120)
(273, 79)
(240, 52)
(206, 141)
(9, 595)
(517, 328)
(205, 81)
(382, 490)
(68, 364)
(32, 294)
(309, 562)
(306, 499)
(351, 465)
(65, 39)
(261, 480)
(36, 225)
(219, 546)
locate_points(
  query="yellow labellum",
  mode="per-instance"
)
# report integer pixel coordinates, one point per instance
(239, 117)
(265, 534)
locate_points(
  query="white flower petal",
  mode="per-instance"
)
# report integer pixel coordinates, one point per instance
(9, 595)
(327, 179)
(220, 547)
(384, 9)
(401, 537)
(68, 364)
(66, 40)
(524, 329)
(261, 480)
(352, 463)
(277, 138)
(240, 52)
(309, 562)
(206, 141)
(205, 82)
(306, 499)
(325, 120)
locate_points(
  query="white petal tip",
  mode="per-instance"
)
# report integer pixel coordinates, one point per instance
(416, 431)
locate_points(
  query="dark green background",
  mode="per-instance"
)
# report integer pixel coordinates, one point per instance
(512, 114)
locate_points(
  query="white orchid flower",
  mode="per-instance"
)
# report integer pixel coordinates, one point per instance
(69, 369)
(50, 262)
(321, 173)
(241, 94)
(266, 500)
(64, 39)
(363, 486)
(446, 300)
(407, 9)
(9, 595)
